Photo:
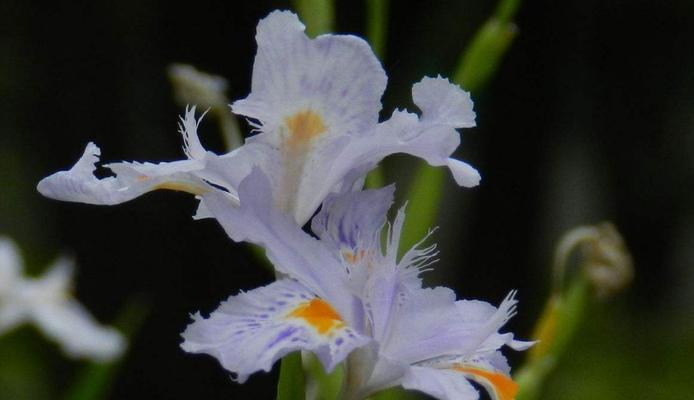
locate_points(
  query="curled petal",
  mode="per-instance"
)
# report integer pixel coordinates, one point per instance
(486, 321)
(443, 103)
(464, 174)
(132, 179)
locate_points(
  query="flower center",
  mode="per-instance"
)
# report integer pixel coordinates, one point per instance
(319, 314)
(300, 131)
(304, 126)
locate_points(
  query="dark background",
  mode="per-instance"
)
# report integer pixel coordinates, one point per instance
(588, 119)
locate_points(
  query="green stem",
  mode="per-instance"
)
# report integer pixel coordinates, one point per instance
(556, 328)
(506, 10)
(377, 25)
(292, 382)
(317, 15)
(424, 196)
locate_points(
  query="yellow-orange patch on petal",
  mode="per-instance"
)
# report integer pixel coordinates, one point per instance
(182, 187)
(353, 258)
(319, 314)
(504, 388)
(304, 126)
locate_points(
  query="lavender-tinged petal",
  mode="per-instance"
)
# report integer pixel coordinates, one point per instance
(252, 330)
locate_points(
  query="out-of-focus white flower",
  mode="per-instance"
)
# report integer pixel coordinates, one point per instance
(343, 297)
(316, 104)
(46, 302)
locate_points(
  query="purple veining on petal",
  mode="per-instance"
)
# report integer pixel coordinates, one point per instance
(283, 335)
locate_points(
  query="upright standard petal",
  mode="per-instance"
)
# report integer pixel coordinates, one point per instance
(252, 330)
(308, 97)
(131, 179)
(305, 89)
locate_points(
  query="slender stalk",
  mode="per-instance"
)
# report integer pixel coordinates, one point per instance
(318, 15)
(377, 25)
(292, 382)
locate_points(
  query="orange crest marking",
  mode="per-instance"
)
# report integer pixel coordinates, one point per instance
(182, 187)
(503, 387)
(303, 127)
(319, 314)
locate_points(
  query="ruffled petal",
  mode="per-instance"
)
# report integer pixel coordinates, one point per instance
(309, 97)
(431, 136)
(332, 82)
(443, 103)
(424, 324)
(252, 330)
(486, 321)
(132, 179)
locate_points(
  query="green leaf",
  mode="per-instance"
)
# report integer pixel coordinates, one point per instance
(327, 385)
(559, 323)
(483, 55)
(375, 178)
(423, 200)
(292, 383)
(395, 394)
(317, 15)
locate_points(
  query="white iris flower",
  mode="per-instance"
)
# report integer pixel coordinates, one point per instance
(315, 103)
(345, 298)
(46, 302)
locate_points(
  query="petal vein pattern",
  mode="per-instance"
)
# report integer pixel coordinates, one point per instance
(252, 330)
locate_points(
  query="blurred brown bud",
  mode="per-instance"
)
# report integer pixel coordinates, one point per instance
(608, 264)
(603, 258)
(195, 87)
